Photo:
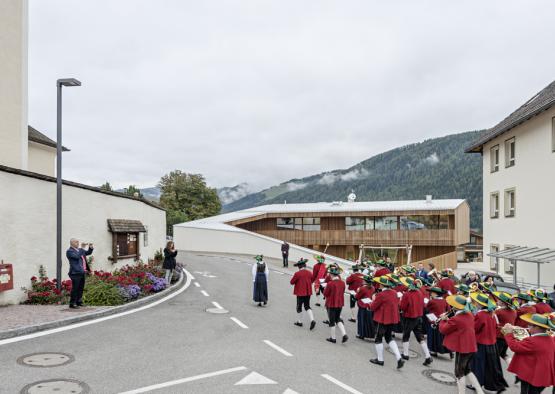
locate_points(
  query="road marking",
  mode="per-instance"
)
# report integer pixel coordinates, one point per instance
(289, 391)
(184, 380)
(204, 293)
(276, 347)
(217, 305)
(278, 272)
(341, 384)
(192, 277)
(101, 319)
(197, 284)
(254, 378)
(239, 322)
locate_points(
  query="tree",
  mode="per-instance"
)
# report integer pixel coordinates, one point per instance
(186, 197)
(106, 187)
(132, 189)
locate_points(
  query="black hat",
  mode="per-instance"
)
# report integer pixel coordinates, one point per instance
(301, 263)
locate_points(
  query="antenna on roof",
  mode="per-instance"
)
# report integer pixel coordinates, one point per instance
(285, 202)
(352, 197)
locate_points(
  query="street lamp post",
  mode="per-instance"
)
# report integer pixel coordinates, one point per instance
(59, 83)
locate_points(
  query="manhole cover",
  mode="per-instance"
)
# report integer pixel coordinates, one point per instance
(412, 353)
(56, 386)
(446, 378)
(217, 311)
(45, 360)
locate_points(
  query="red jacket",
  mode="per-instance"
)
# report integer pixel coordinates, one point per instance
(542, 307)
(318, 272)
(412, 304)
(386, 307)
(522, 311)
(485, 327)
(381, 272)
(504, 316)
(533, 360)
(448, 285)
(437, 306)
(364, 292)
(459, 333)
(302, 280)
(355, 281)
(335, 294)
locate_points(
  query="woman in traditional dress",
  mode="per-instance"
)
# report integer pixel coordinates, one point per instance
(365, 318)
(486, 364)
(260, 279)
(436, 306)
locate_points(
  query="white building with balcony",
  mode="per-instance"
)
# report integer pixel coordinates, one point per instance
(519, 187)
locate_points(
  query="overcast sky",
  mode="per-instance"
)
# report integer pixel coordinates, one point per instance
(265, 91)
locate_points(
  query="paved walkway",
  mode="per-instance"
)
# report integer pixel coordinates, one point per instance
(181, 346)
(17, 316)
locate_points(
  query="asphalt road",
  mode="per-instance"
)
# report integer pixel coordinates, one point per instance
(182, 348)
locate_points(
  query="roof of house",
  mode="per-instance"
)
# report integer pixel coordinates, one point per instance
(540, 102)
(126, 226)
(48, 178)
(39, 138)
(219, 222)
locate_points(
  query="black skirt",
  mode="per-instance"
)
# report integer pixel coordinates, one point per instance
(486, 365)
(365, 323)
(435, 340)
(260, 292)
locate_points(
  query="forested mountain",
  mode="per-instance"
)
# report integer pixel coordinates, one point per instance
(436, 166)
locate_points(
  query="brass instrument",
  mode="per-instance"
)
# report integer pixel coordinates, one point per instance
(473, 287)
(434, 274)
(444, 316)
(519, 333)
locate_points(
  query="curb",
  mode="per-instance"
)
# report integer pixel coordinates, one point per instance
(16, 332)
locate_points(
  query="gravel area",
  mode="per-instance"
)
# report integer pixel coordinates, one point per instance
(16, 316)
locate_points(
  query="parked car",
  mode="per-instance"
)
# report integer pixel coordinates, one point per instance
(498, 281)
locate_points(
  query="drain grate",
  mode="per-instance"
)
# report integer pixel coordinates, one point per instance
(412, 353)
(217, 311)
(45, 360)
(446, 378)
(56, 386)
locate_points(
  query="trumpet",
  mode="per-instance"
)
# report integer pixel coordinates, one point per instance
(444, 316)
(519, 333)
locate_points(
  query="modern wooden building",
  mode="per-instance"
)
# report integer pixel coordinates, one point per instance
(432, 228)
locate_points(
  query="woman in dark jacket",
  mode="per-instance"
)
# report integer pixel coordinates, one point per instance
(169, 260)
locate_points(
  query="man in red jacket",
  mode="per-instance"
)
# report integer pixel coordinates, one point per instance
(459, 337)
(527, 306)
(302, 280)
(540, 298)
(354, 281)
(505, 314)
(534, 357)
(381, 269)
(385, 306)
(318, 274)
(447, 284)
(335, 299)
(412, 306)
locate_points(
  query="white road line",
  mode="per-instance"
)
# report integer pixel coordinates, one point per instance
(278, 272)
(217, 305)
(276, 347)
(204, 293)
(184, 380)
(341, 384)
(192, 277)
(99, 320)
(197, 284)
(239, 322)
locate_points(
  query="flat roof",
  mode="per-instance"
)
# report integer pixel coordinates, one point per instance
(219, 222)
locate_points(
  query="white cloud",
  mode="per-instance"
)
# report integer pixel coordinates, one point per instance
(293, 186)
(432, 159)
(332, 177)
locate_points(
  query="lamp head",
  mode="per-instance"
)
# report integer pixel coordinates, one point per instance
(68, 82)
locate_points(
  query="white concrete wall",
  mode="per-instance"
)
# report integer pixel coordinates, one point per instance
(533, 176)
(42, 159)
(241, 242)
(28, 227)
(13, 83)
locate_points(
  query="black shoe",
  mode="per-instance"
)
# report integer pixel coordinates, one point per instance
(298, 324)
(265, 302)
(470, 387)
(317, 304)
(352, 320)
(345, 339)
(376, 361)
(360, 337)
(400, 363)
(331, 340)
(433, 354)
(451, 356)
(326, 322)
(312, 325)
(79, 304)
(259, 304)
(405, 357)
(73, 307)
(427, 362)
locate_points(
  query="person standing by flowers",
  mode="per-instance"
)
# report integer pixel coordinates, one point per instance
(77, 268)
(169, 260)
(260, 273)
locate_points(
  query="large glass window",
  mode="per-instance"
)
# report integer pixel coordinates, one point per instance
(444, 222)
(369, 224)
(385, 222)
(286, 223)
(354, 223)
(420, 222)
(311, 224)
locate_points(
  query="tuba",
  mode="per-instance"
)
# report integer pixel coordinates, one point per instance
(519, 333)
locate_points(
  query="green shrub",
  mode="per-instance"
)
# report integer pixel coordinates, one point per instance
(101, 293)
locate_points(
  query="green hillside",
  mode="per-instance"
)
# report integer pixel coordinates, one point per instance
(436, 166)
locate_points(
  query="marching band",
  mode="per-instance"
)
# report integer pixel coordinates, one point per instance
(476, 325)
